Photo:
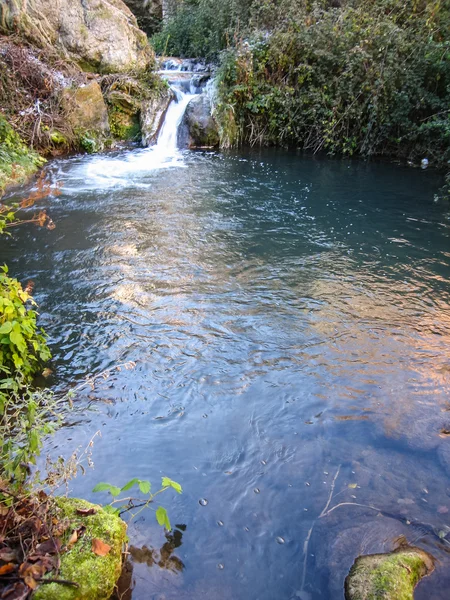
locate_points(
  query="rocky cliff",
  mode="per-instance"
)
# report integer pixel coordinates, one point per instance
(100, 35)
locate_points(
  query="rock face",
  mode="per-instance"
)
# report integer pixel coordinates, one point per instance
(100, 35)
(149, 14)
(152, 114)
(86, 109)
(198, 128)
(388, 576)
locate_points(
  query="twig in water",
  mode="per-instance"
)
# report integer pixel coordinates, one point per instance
(308, 537)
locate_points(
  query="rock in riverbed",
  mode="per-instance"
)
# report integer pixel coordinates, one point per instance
(388, 576)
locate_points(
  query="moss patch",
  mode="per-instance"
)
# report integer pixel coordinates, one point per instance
(17, 161)
(388, 576)
(96, 575)
(124, 126)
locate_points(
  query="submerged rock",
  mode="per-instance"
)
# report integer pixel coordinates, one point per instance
(95, 575)
(198, 128)
(100, 35)
(388, 576)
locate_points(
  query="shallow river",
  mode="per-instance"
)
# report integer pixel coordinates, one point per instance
(289, 322)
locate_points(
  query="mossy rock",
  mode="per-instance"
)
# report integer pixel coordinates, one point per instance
(388, 576)
(124, 126)
(17, 161)
(95, 575)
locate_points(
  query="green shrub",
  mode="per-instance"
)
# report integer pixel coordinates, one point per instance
(23, 347)
(370, 78)
(202, 28)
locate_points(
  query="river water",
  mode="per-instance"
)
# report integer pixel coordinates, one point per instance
(289, 323)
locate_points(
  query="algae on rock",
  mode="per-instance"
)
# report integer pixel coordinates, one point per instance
(95, 575)
(388, 576)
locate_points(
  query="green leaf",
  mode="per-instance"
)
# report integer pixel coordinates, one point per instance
(6, 327)
(163, 518)
(106, 487)
(130, 484)
(144, 486)
(111, 510)
(166, 482)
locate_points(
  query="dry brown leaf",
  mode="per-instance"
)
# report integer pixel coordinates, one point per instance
(86, 512)
(8, 568)
(73, 539)
(8, 555)
(99, 547)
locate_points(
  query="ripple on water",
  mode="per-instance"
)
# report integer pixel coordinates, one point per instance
(286, 316)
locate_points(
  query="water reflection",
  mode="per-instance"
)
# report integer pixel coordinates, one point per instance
(286, 316)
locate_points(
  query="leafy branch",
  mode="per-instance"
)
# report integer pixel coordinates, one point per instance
(120, 505)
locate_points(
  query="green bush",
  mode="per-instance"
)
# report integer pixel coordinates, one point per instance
(202, 28)
(23, 347)
(370, 78)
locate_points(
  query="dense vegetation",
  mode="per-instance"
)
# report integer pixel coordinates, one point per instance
(358, 77)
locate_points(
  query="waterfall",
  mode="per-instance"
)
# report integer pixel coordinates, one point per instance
(166, 145)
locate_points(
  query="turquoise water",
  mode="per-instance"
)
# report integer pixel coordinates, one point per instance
(289, 322)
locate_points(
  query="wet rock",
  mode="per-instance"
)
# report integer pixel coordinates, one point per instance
(100, 35)
(198, 128)
(152, 115)
(388, 576)
(86, 109)
(199, 81)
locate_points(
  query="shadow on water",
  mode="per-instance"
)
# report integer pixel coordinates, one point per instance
(288, 317)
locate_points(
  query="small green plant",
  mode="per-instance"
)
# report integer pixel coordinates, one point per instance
(120, 505)
(23, 347)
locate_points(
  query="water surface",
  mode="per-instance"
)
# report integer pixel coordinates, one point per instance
(289, 323)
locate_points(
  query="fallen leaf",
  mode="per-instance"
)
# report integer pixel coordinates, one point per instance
(86, 512)
(442, 510)
(99, 547)
(73, 539)
(8, 555)
(16, 591)
(352, 486)
(8, 568)
(49, 547)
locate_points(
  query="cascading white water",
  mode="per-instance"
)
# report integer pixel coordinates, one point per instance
(166, 145)
(105, 171)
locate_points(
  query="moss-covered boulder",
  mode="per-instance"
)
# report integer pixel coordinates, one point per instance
(87, 115)
(17, 161)
(95, 575)
(388, 576)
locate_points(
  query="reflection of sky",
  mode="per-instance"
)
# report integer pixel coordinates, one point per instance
(285, 316)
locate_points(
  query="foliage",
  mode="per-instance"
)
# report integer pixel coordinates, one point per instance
(23, 347)
(26, 417)
(369, 78)
(17, 161)
(202, 28)
(129, 504)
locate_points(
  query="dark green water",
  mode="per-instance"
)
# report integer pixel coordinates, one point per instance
(288, 318)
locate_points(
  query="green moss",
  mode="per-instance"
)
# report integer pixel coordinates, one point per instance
(124, 126)
(95, 575)
(17, 161)
(388, 576)
(58, 138)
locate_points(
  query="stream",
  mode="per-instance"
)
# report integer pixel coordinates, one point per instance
(287, 320)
